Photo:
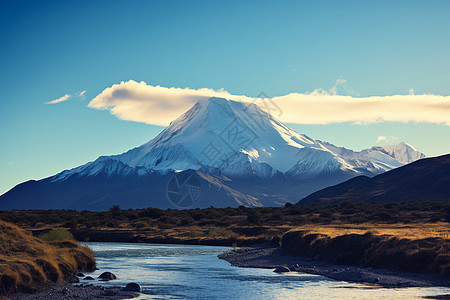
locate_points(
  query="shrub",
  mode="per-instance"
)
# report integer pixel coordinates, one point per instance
(112, 224)
(186, 221)
(115, 210)
(221, 233)
(163, 225)
(254, 218)
(141, 224)
(70, 224)
(383, 216)
(151, 213)
(58, 234)
(276, 216)
(198, 215)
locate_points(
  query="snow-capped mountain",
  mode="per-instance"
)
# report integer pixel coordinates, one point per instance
(241, 139)
(237, 150)
(404, 153)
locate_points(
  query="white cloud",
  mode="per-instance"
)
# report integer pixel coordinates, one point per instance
(158, 105)
(66, 97)
(59, 100)
(137, 101)
(322, 108)
(381, 138)
(387, 139)
(341, 87)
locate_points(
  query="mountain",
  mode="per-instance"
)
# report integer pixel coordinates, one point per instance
(220, 153)
(425, 179)
(404, 153)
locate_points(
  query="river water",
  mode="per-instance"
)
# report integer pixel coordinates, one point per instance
(195, 272)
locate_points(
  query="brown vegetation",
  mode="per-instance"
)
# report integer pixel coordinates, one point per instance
(28, 263)
(419, 212)
(427, 255)
(410, 231)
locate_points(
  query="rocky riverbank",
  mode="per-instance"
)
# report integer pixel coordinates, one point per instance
(69, 292)
(272, 258)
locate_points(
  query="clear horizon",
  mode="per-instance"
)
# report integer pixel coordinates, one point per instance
(59, 56)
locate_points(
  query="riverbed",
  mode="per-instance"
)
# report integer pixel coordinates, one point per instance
(195, 272)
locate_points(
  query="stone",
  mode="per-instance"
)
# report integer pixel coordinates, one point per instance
(133, 287)
(107, 275)
(281, 269)
(88, 278)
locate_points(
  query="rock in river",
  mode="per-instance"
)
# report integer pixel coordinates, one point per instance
(107, 275)
(133, 287)
(281, 269)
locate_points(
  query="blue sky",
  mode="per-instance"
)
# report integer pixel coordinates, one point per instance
(50, 49)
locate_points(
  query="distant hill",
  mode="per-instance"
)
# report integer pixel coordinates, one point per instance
(425, 179)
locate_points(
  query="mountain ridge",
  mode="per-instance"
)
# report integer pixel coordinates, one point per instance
(179, 147)
(236, 149)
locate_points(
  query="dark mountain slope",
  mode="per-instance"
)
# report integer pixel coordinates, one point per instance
(425, 179)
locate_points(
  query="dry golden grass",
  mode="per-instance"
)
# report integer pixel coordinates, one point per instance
(203, 233)
(403, 231)
(28, 263)
(402, 248)
(407, 231)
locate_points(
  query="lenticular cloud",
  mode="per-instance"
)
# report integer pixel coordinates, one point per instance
(156, 105)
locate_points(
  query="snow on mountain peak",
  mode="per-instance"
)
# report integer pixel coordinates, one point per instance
(241, 139)
(404, 152)
(222, 133)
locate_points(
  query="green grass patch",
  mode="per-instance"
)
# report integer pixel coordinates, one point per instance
(57, 234)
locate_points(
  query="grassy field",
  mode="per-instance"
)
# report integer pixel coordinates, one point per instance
(29, 263)
(405, 220)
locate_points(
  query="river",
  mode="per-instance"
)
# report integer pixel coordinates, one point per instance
(195, 272)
